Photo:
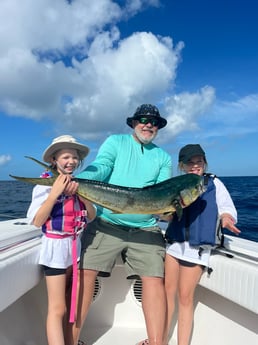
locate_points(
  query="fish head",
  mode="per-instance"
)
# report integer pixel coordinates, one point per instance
(191, 193)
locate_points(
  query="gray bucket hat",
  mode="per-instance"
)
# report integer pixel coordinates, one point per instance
(145, 110)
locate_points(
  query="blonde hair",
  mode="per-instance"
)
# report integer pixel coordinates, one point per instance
(181, 166)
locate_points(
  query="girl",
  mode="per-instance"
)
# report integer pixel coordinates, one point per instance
(63, 216)
(184, 261)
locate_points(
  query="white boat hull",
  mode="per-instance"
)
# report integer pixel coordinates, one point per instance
(226, 303)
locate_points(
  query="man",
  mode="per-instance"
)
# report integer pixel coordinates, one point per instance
(130, 160)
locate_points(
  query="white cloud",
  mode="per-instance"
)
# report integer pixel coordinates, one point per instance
(184, 109)
(140, 69)
(222, 119)
(68, 62)
(133, 6)
(48, 24)
(94, 93)
(4, 159)
(236, 111)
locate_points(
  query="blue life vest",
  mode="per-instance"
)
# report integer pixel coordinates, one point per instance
(200, 222)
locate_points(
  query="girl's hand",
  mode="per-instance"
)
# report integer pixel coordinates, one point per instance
(71, 187)
(61, 185)
(227, 221)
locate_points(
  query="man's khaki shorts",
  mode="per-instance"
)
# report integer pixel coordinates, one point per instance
(142, 249)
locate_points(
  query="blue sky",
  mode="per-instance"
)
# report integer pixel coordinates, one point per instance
(81, 67)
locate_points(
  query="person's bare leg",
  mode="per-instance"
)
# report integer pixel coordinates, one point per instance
(188, 280)
(171, 284)
(68, 291)
(154, 308)
(85, 291)
(56, 309)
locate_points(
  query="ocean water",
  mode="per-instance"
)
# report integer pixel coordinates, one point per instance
(15, 198)
(244, 192)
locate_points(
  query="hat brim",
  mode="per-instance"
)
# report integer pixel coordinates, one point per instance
(162, 121)
(188, 157)
(189, 151)
(50, 151)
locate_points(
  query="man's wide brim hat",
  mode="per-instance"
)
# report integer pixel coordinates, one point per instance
(147, 110)
(64, 142)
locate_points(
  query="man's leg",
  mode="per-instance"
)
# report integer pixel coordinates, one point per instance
(154, 308)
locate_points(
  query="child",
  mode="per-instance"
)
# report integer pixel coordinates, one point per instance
(184, 262)
(63, 216)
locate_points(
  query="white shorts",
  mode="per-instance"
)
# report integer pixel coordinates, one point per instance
(184, 251)
(57, 253)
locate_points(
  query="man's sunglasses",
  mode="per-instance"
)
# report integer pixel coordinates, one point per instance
(151, 120)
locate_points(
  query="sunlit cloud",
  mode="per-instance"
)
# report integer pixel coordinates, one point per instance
(66, 61)
(4, 159)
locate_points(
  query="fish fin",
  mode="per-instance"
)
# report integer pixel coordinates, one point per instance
(178, 208)
(166, 216)
(170, 213)
(46, 166)
(80, 193)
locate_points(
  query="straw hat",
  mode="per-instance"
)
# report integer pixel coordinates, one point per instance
(64, 142)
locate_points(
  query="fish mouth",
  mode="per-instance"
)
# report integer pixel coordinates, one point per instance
(181, 201)
(202, 187)
(186, 197)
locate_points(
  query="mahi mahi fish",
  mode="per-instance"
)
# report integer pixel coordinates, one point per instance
(167, 197)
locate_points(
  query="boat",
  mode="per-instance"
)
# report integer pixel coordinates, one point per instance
(225, 308)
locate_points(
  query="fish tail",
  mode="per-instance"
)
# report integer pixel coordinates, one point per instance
(41, 181)
(46, 166)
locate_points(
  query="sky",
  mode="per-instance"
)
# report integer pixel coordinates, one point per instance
(82, 67)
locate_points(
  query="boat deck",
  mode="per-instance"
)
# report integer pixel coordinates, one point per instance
(225, 310)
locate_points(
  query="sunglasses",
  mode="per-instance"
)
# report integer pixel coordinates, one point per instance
(145, 120)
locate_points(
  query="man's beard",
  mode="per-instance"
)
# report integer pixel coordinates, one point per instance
(142, 139)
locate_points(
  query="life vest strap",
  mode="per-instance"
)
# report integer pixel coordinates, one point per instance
(75, 271)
